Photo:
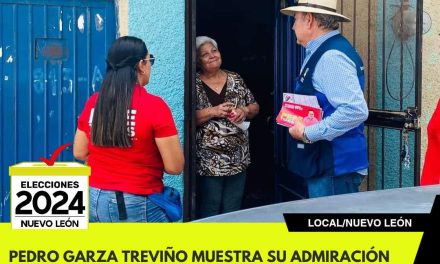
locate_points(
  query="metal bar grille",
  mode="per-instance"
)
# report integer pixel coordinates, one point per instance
(388, 59)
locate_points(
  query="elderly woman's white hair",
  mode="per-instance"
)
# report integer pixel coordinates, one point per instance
(200, 40)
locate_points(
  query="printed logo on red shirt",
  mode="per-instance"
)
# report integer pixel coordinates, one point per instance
(131, 122)
(131, 117)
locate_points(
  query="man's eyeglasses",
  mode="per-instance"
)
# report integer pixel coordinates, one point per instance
(151, 59)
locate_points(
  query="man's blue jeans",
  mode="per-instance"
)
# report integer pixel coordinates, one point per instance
(328, 185)
(104, 208)
(221, 194)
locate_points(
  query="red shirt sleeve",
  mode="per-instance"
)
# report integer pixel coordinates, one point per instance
(84, 118)
(163, 122)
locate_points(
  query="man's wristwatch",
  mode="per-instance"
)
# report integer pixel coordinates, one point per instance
(305, 139)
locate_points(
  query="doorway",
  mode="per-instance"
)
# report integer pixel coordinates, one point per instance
(258, 43)
(244, 31)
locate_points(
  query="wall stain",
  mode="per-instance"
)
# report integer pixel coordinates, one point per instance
(99, 22)
(97, 78)
(81, 23)
(10, 59)
(38, 81)
(3, 203)
(53, 81)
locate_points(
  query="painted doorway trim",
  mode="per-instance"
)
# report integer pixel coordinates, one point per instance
(189, 178)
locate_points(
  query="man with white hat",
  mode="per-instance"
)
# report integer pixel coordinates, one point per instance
(332, 154)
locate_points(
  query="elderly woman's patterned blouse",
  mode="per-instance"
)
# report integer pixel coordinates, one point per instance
(222, 147)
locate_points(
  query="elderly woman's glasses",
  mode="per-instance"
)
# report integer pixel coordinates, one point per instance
(151, 59)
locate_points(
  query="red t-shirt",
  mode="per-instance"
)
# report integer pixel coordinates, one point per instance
(139, 168)
(431, 169)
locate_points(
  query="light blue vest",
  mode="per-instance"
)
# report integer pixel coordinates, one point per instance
(344, 154)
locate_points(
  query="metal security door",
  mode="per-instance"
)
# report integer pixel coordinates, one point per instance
(387, 34)
(52, 58)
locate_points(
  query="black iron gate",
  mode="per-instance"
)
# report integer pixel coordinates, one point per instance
(387, 34)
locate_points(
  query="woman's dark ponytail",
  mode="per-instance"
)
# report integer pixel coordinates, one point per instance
(112, 110)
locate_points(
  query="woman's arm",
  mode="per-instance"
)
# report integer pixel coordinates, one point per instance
(204, 115)
(171, 153)
(80, 146)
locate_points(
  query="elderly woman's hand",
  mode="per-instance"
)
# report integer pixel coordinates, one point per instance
(222, 110)
(238, 115)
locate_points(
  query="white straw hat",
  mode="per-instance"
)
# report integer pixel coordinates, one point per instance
(327, 7)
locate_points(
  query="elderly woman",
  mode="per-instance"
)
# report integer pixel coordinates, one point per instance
(223, 104)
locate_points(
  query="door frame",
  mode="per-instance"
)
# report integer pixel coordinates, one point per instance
(189, 178)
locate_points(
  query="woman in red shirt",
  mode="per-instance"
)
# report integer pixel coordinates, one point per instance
(128, 137)
(431, 169)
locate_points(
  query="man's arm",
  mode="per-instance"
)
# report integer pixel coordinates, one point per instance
(336, 76)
